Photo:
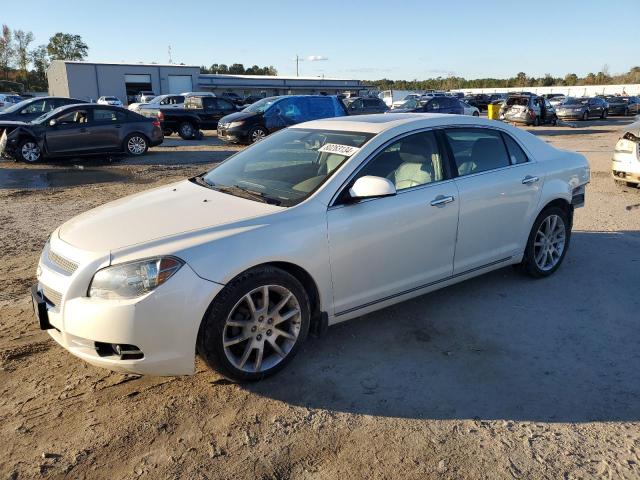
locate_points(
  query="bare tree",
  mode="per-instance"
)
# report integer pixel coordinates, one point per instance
(22, 41)
(6, 50)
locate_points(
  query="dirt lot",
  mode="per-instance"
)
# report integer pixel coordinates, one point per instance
(497, 377)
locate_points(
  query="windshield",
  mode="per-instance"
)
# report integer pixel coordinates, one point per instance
(17, 106)
(616, 99)
(285, 168)
(45, 116)
(261, 105)
(576, 101)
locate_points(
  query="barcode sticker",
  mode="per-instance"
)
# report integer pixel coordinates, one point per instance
(346, 150)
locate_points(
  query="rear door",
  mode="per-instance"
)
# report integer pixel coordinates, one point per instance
(106, 129)
(499, 189)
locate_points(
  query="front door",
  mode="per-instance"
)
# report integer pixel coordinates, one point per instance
(385, 247)
(499, 190)
(70, 133)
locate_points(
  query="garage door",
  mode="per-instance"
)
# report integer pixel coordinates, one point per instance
(180, 83)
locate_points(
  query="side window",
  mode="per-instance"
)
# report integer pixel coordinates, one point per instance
(319, 107)
(108, 116)
(74, 117)
(433, 105)
(35, 107)
(224, 104)
(411, 161)
(477, 150)
(356, 105)
(516, 154)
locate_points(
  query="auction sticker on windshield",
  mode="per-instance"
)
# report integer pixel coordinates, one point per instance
(346, 150)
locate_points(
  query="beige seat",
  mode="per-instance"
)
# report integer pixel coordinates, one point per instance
(417, 168)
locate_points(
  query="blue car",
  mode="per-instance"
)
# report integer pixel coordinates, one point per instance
(439, 104)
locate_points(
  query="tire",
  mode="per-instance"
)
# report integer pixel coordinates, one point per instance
(604, 115)
(476, 114)
(256, 134)
(229, 317)
(29, 151)
(536, 121)
(167, 132)
(136, 144)
(554, 122)
(626, 112)
(585, 116)
(529, 265)
(187, 130)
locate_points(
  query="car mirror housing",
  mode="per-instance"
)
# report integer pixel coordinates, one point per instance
(53, 122)
(370, 186)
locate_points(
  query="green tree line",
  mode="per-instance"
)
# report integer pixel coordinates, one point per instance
(238, 69)
(603, 77)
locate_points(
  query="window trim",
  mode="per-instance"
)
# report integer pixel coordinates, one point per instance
(447, 177)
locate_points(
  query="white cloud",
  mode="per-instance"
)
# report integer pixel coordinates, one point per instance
(316, 58)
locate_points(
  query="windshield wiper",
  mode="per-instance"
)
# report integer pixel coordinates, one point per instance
(245, 192)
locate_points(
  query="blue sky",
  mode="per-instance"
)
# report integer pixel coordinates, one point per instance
(360, 39)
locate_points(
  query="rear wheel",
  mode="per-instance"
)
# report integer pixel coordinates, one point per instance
(187, 130)
(29, 151)
(547, 244)
(585, 116)
(136, 144)
(255, 325)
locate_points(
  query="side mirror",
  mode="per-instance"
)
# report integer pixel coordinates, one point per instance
(53, 122)
(372, 187)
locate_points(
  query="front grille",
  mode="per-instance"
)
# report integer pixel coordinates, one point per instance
(51, 296)
(66, 265)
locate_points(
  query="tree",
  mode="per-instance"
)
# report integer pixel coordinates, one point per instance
(64, 46)
(236, 69)
(22, 41)
(6, 50)
(570, 79)
(40, 63)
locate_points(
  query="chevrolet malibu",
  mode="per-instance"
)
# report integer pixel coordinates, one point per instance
(314, 225)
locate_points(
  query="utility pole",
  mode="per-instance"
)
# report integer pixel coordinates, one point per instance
(297, 61)
(170, 62)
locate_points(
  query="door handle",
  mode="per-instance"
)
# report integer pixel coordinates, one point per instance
(442, 200)
(529, 179)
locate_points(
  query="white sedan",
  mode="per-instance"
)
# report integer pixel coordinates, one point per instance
(470, 109)
(110, 101)
(319, 223)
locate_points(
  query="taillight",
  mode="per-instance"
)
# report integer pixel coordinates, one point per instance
(156, 123)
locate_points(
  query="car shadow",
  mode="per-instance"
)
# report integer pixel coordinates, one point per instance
(501, 346)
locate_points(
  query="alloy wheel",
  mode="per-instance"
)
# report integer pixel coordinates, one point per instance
(257, 135)
(30, 151)
(549, 243)
(186, 130)
(262, 328)
(136, 145)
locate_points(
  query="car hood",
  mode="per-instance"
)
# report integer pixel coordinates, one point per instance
(158, 213)
(238, 116)
(14, 124)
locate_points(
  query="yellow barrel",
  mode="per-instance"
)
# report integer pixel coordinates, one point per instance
(493, 111)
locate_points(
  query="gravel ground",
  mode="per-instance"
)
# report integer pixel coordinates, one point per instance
(497, 377)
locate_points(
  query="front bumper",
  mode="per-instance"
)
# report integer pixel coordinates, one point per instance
(233, 135)
(627, 170)
(162, 324)
(570, 115)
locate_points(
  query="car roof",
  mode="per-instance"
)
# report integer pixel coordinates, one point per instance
(379, 123)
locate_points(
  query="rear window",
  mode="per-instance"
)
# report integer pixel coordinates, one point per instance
(321, 107)
(524, 101)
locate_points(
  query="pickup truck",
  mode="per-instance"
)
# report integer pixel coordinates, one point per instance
(199, 113)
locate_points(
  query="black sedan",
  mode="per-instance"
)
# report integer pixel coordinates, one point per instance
(619, 105)
(32, 108)
(80, 129)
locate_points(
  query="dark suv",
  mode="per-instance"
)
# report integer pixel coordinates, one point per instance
(34, 107)
(439, 104)
(619, 105)
(364, 106)
(274, 113)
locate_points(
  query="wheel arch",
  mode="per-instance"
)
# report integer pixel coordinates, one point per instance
(561, 203)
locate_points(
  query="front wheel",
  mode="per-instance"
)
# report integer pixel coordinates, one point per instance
(547, 244)
(136, 144)
(255, 325)
(29, 151)
(256, 134)
(604, 114)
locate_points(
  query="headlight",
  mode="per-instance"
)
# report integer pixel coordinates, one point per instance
(133, 279)
(236, 124)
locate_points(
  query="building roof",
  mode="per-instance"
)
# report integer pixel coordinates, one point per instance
(140, 64)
